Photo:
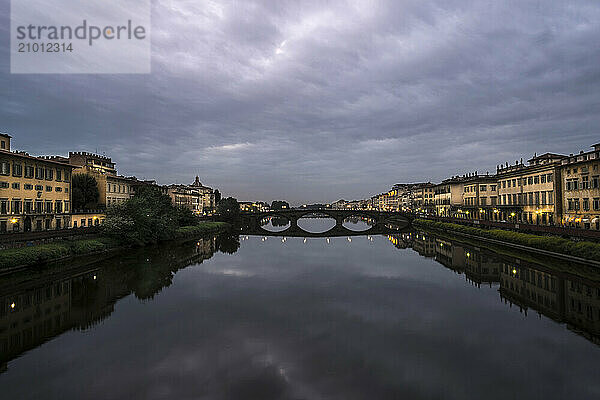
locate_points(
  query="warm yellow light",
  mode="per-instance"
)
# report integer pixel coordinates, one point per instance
(512, 214)
(14, 220)
(95, 218)
(514, 271)
(468, 254)
(13, 305)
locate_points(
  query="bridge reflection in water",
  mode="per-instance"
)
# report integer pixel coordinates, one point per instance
(34, 309)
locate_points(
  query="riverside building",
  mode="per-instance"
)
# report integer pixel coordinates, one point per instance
(531, 193)
(579, 177)
(114, 189)
(35, 192)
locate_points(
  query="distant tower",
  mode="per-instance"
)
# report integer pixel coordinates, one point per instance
(197, 181)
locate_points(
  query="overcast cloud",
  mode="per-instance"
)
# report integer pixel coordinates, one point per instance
(315, 101)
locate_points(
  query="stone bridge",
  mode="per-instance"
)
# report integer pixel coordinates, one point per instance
(384, 223)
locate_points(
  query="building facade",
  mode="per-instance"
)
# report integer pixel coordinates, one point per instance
(113, 189)
(580, 181)
(480, 197)
(448, 196)
(35, 192)
(531, 193)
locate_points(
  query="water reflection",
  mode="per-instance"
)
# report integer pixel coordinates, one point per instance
(358, 223)
(275, 224)
(402, 316)
(35, 308)
(316, 223)
(565, 293)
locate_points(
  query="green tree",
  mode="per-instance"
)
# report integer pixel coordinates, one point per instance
(217, 196)
(85, 192)
(229, 209)
(147, 217)
(279, 205)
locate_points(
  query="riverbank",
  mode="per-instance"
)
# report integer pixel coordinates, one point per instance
(548, 244)
(33, 255)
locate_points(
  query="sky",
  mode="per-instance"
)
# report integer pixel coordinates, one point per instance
(312, 101)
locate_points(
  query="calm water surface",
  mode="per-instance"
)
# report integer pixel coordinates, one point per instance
(409, 316)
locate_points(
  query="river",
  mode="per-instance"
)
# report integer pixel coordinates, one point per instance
(407, 316)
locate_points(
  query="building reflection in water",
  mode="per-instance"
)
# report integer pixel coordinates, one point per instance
(566, 294)
(34, 310)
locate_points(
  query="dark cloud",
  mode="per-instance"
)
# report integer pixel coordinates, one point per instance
(312, 101)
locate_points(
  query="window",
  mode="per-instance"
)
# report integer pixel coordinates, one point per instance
(58, 206)
(39, 188)
(537, 198)
(4, 185)
(16, 206)
(483, 188)
(28, 186)
(576, 204)
(28, 207)
(5, 168)
(48, 188)
(58, 189)
(29, 171)
(595, 182)
(549, 178)
(49, 174)
(17, 169)
(543, 198)
(59, 175)
(586, 204)
(530, 180)
(48, 207)
(596, 203)
(66, 206)
(4, 206)
(39, 173)
(543, 179)
(536, 179)
(550, 197)
(16, 185)
(585, 182)
(531, 198)
(514, 183)
(503, 184)
(493, 188)
(67, 176)
(39, 207)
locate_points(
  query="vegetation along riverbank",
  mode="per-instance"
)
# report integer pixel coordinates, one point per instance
(147, 218)
(585, 250)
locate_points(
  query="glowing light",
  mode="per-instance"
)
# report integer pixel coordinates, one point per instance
(13, 305)
(94, 277)
(514, 271)
(14, 220)
(468, 254)
(327, 240)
